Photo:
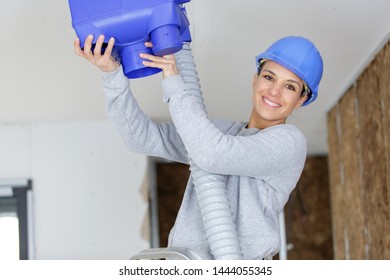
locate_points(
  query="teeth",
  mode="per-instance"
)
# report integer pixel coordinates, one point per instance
(271, 103)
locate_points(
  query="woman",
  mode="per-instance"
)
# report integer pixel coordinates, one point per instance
(262, 158)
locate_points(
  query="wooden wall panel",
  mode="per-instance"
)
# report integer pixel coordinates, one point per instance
(349, 156)
(171, 182)
(373, 161)
(384, 90)
(307, 214)
(336, 190)
(363, 155)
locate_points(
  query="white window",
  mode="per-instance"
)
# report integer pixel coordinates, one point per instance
(15, 220)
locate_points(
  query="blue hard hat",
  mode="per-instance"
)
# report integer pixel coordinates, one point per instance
(300, 56)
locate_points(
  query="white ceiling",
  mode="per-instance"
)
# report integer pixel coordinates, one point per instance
(42, 80)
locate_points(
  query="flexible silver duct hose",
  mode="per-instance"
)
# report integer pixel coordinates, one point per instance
(211, 189)
(217, 217)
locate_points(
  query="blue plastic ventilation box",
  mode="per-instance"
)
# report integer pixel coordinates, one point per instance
(132, 23)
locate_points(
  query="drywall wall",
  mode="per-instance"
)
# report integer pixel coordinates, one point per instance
(89, 191)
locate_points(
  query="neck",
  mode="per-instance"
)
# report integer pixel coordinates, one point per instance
(260, 123)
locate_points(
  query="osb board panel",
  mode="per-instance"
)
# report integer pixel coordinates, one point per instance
(307, 214)
(383, 61)
(373, 163)
(171, 182)
(350, 158)
(336, 193)
(371, 148)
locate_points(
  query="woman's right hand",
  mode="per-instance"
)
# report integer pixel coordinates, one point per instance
(105, 62)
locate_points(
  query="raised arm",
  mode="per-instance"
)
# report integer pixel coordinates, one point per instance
(263, 153)
(136, 129)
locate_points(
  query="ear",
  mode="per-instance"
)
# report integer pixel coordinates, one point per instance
(301, 100)
(254, 79)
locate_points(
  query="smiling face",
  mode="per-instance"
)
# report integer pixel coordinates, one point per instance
(276, 93)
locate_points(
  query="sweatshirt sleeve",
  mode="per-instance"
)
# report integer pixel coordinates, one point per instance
(138, 132)
(265, 153)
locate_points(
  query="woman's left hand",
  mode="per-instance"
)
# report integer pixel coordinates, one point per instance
(166, 63)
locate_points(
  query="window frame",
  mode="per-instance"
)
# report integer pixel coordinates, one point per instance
(21, 189)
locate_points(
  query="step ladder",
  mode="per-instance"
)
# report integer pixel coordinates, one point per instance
(179, 253)
(172, 253)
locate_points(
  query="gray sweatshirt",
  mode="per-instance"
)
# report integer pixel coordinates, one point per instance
(262, 166)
